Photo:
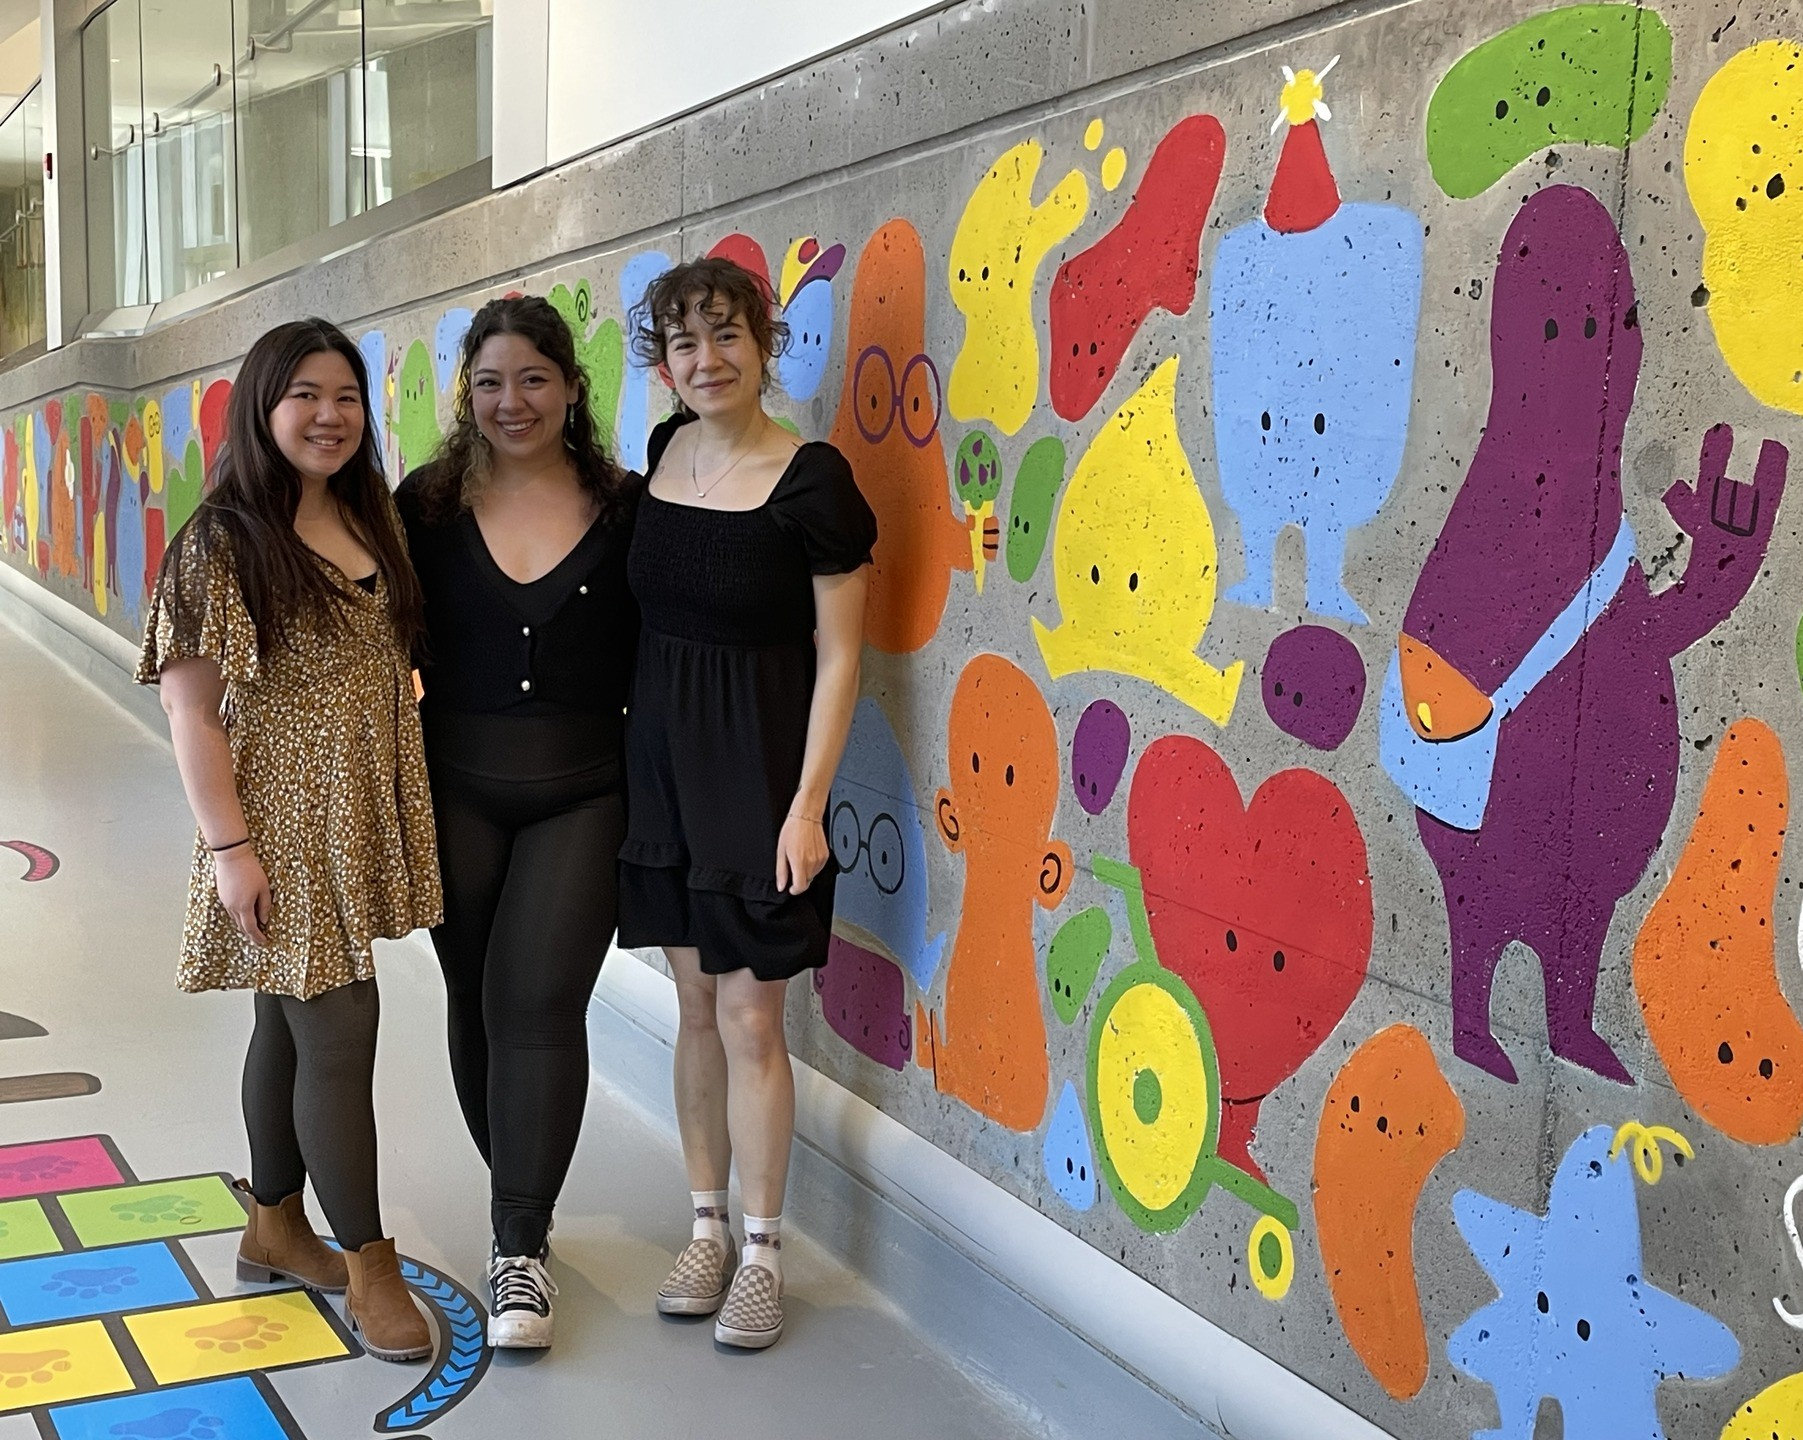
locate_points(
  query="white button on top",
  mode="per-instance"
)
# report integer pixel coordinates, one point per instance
(525, 629)
(582, 589)
(525, 684)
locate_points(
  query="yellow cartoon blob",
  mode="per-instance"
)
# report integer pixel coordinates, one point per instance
(28, 482)
(1002, 236)
(1134, 559)
(1776, 1410)
(1743, 165)
(99, 553)
(153, 445)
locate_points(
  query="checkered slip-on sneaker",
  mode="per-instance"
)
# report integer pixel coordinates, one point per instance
(698, 1283)
(752, 1317)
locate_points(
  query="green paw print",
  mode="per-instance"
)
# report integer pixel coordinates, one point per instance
(5, 1229)
(159, 1209)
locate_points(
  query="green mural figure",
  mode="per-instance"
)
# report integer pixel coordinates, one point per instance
(601, 355)
(1581, 75)
(1030, 512)
(417, 404)
(187, 483)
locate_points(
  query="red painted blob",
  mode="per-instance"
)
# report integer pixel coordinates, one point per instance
(1149, 261)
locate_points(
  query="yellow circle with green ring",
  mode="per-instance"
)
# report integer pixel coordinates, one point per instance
(1153, 1094)
(1272, 1258)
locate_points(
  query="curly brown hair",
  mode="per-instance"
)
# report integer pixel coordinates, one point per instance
(450, 484)
(716, 289)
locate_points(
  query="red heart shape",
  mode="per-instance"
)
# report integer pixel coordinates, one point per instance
(1264, 910)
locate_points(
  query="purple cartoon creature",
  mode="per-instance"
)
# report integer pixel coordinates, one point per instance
(1530, 712)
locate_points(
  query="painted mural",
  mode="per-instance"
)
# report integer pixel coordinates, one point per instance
(1418, 1021)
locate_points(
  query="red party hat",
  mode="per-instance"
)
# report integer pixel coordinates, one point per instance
(1303, 193)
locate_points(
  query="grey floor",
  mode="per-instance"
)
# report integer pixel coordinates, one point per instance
(88, 954)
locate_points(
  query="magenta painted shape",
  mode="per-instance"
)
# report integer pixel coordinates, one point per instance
(1587, 765)
(1314, 685)
(1099, 754)
(860, 994)
(57, 1165)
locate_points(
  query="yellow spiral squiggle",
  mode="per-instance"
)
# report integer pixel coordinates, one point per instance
(1649, 1159)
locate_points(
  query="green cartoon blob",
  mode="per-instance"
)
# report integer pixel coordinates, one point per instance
(417, 424)
(185, 487)
(1075, 959)
(977, 473)
(602, 355)
(1035, 493)
(1582, 75)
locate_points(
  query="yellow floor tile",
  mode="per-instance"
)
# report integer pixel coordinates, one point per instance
(231, 1337)
(56, 1363)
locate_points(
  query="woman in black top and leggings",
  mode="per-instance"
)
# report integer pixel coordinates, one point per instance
(519, 532)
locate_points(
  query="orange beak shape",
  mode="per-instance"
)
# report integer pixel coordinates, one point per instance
(1441, 703)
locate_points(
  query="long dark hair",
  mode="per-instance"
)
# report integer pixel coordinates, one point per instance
(451, 483)
(255, 492)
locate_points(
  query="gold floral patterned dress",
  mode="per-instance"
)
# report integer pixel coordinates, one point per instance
(331, 773)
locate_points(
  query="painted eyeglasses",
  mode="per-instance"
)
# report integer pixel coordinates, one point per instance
(880, 399)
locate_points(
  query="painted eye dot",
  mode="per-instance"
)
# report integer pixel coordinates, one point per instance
(1543, 96)
(1725, 1053)
(1355, 1104)
(1133, 581)
(1774, 187)
(976, 763)
(1383, 1124)
(1008, 776)
(1590, 327)
(1233, 941)
(1583, 1329)
(1095, 575)
(962, 275)
(1264, 420)
(1502, 109)
(1765, 1069)
(985, 272)
(1278, 687)
(1552, 329)
(1542, 1302)
(1320, 423)
(1277, 961)
(1296, 699)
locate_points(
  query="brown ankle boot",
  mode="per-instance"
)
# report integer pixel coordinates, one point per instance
(279, 1244)
(381, 1307)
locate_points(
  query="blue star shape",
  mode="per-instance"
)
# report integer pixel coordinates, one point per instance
(1577, 1318)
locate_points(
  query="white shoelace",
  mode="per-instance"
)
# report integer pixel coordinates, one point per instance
(521, 1282)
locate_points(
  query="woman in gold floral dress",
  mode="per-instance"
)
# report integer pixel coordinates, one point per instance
(280, 633)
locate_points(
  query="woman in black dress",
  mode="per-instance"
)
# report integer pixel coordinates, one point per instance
(748, 565)
(519, 532)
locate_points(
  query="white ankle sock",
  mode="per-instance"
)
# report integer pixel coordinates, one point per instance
(710, 1216)
(764, 1242)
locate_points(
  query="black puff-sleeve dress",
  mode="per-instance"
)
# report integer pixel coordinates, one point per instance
(718, 721)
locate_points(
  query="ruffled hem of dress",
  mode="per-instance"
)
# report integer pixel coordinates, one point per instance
(648, 855)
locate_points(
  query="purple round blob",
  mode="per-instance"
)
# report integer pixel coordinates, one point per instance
(1099, 754)
(1314, 684)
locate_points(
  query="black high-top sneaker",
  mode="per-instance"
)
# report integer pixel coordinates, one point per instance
(521, 1289)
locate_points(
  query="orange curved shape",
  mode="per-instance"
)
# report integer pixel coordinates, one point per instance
(1389, 1119)
(1705, 963)
(896, 397)
(1441, 703)
(997, 813)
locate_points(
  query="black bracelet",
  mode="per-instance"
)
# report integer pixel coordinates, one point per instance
(221, 849)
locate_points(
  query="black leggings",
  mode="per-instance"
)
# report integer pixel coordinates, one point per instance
(309, 1106)
(530, 902)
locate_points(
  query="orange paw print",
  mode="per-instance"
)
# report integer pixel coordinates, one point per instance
(36, 1367)
(243, 1332)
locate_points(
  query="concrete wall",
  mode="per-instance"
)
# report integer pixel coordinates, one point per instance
(1392, 568)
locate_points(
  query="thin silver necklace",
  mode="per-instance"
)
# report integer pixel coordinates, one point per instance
(713, 484)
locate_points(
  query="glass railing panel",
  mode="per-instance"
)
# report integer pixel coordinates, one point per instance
(428, 91)
(22, 225)
(300, 104)
(190, 167)
(113, 102)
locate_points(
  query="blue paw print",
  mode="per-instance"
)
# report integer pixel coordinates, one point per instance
(185, 1424)
(91, 1285)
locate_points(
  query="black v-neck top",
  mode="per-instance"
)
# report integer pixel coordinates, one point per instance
(559, 645)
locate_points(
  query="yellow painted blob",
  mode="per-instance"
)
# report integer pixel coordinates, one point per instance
(28, 482)
(1743, 166)
(1092, 137)
(1776, 1411)
(1134, 559)
(153, 445)
(1114, 168)
(99, 553)
(1150, 1063)
(1001, 239)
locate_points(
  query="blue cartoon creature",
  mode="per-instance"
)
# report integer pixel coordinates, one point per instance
(806, 295)
(373, 346)
(1314, 313)
(447, 341)
(635, 398)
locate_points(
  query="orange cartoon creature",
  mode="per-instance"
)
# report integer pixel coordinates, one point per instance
(888, 428)
(1002, 749)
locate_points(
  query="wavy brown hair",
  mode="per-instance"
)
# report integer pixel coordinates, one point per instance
(250, 506)
(450, 484)
(716, 289)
